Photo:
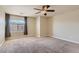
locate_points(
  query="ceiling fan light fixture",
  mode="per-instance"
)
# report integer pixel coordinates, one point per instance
(43, 12)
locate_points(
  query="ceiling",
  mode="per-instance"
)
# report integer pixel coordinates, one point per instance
(28, 10)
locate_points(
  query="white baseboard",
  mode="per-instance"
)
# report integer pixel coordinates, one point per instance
(66, 40)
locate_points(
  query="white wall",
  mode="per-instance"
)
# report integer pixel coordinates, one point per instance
(31, 26)
(66, 26)
(2, 27)
(38, 26)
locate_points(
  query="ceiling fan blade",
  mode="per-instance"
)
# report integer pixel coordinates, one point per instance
(45, 6)
(50, 10)
(37, 13)
(37, 9)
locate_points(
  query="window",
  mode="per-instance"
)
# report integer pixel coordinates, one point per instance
(16, 24)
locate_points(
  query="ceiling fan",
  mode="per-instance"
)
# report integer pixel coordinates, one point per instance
(44, 10)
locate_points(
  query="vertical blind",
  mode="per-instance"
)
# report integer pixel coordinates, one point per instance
(16, 24)
(20, 24)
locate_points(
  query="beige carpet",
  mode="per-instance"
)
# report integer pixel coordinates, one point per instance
(38, 45)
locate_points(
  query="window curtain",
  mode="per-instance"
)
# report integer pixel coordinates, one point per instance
(7, 28)
(25, 26)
